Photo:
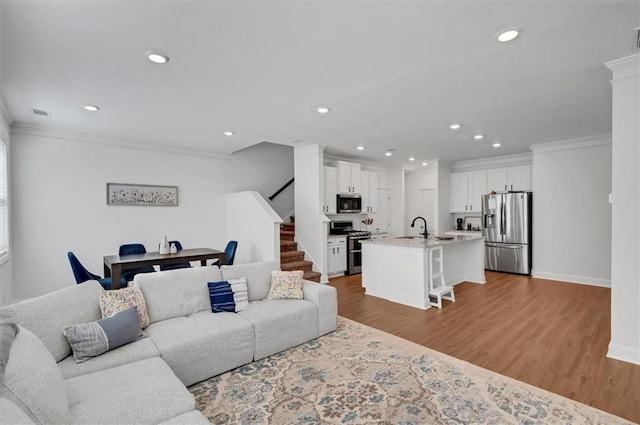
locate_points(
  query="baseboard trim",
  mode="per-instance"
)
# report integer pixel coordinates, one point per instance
(624, 353)
(582, 280)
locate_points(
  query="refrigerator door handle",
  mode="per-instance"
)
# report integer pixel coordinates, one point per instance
(503, 220)
(503, 245)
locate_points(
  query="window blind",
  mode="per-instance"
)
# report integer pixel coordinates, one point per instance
(4, 204)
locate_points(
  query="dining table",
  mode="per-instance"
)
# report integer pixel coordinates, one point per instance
(114, 265)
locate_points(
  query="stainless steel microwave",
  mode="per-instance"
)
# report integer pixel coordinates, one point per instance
(351, 203)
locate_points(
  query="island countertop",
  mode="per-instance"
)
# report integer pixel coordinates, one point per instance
(420, 242)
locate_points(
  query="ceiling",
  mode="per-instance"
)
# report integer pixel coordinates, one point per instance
(394, 74)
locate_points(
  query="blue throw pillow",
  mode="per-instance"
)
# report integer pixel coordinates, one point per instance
(229, 295)
(94, 338)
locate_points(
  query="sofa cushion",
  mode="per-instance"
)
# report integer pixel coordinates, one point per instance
(46, 316)
(258, 277)
(191, 418)
(204, 344)
(286, 285)
(33, 382)
(113, 302)
(11, 414)
(143, 392)
(8, 332)
(228, 295)
(175, 293)
(281, 324)
(138, 350)
(91, 339)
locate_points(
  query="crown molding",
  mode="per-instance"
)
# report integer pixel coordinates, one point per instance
(502, 161)
(571, 144)
(625, 67)
(32, 130)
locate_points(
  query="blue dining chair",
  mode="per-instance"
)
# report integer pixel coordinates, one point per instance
(184, 265)
(81, 274)
(230, 252)
(131, 249)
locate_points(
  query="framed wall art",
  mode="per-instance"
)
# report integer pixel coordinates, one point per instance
(142, 194)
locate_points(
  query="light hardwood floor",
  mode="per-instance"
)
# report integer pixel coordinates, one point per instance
(550, 334)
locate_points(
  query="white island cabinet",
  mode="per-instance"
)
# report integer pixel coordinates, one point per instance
(397, 269)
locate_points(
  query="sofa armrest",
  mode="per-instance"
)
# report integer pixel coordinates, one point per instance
(326, 299)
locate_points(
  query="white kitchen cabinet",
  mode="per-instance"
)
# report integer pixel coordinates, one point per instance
(467, 190)
(348, 177)
(509, 179)
(497, 180)
(330, 190)
(519, 178)
(477, 188)
(336, 255)
(369, 191)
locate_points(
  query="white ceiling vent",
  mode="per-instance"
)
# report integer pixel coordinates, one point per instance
(41, 112)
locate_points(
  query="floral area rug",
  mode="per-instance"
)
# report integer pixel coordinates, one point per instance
(359, 375)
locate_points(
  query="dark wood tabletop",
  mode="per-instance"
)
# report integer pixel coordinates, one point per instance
(114, 265)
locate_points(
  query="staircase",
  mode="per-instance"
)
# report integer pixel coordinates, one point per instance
(292, 259)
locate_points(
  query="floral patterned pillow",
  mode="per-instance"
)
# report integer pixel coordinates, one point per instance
(112, 302)
(286, 285)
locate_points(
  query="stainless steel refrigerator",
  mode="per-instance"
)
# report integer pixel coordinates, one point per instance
(507, 232)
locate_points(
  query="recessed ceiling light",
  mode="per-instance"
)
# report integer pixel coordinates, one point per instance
(387, 153)
(508, 34)
(322, 109)
(360, 148)
(411, 158)
(158, 58)
(478, 136)
(229, 133)
(424, 164)
(454, 126)
(91, 108)
(496, 145)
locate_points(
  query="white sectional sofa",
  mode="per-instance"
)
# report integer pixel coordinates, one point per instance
(144, 382)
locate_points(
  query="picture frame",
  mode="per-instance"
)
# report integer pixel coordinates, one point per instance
(126, 194)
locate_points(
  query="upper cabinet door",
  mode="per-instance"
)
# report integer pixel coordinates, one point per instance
(355, 178)
(373, 192)
(348, 177)
(497, 180)
(520, 178)
(330, 189)
(477, 187)
(458, 192)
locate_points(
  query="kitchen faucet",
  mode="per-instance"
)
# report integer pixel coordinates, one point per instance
(425, 233)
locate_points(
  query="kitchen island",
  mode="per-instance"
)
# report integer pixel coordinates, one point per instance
(397, 269)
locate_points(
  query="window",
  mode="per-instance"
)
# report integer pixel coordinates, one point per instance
(4, 203)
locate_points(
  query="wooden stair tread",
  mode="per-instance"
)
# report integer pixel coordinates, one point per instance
(313, 276)
(296, 265)
(291, 253)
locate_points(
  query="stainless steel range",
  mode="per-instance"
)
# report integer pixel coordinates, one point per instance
(354, 243)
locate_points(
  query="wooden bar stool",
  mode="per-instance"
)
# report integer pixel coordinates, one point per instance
(438, 289)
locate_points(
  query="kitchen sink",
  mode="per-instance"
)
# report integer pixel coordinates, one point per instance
(411, 237)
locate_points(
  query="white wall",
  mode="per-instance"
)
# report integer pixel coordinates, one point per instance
(59, 205)
(264, 168)
(396, 185)
(571, 212)
(311, 227)
(255, 225)
(414, 183)
(625, 229)
(445, 219)
(6, 292)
